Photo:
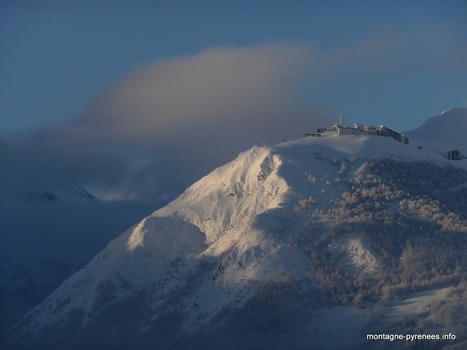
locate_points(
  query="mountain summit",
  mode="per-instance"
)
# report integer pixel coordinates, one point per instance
(445, 130)
(290, 246)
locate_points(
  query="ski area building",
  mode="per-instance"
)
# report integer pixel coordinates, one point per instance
(381, 130)
(453, 154)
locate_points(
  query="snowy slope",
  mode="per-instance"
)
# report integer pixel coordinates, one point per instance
(447, 130)
(206, 220)
(230, 231)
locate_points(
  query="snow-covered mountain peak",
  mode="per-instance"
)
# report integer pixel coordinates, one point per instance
(70, 194)
(444, 131)
(229, 198)
(455, 110)
(252, 223)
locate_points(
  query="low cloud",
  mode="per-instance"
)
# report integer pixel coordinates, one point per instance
(162, 126)
(217, 87)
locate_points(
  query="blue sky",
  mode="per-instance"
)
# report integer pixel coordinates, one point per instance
(124, 92)
(58, 55)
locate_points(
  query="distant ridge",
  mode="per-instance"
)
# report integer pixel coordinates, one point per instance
(447, 130)
(61, 195)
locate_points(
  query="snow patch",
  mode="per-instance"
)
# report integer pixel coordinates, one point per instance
(362, 257)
